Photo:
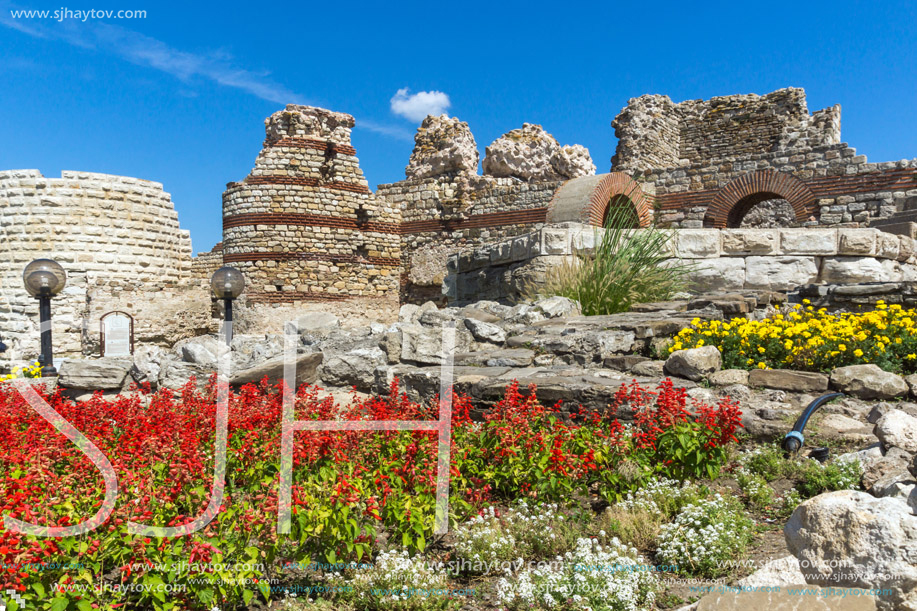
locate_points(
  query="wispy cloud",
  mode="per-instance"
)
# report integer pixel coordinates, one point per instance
(139, 49)
(417, 106)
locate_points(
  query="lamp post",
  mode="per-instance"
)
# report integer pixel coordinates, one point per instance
(227, 283)
(43, 279)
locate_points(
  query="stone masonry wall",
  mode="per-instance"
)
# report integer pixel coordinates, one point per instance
(303, 225)
(110, 233)
(730, 259)
(701, 154)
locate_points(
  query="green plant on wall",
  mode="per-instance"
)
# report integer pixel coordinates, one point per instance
(628, 265)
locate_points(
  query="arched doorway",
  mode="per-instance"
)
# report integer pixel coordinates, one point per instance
(746, 193)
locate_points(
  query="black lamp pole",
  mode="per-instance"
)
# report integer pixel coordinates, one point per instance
(47, 351)
(227, 327)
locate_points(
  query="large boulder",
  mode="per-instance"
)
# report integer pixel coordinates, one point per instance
(443, 146)
(898, 429)
(868, 382)
(694, 363)
(306, 370)
(852, 539)
(175, 374)
(532, 154)
(485, 331)
(106, 373)
(355, 368)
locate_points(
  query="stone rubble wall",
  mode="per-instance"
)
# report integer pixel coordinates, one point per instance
(110, 233)
(205, 263)
(304, 226)
(727, 259)
(654, 132)
(694, 150)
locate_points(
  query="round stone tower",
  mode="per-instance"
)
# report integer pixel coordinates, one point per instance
(303, 225)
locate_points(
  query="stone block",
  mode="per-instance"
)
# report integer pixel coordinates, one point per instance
(749, 241)
(779, 273)
(554, 241)
(583, 241)
(787, 379)
(856, 242)
(715, 274)
(808, 241)
(850, 270)
(697, 243)
(887, 245)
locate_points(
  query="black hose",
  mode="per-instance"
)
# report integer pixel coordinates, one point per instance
(794, 439)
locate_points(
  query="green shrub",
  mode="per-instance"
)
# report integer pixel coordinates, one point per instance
(628, 266)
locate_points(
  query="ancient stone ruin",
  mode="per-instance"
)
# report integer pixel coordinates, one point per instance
(766, 196)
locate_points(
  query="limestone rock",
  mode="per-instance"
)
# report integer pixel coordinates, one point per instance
(876, 548)
(868, 382)
(485, 331)
(355, 368)
(899, 430)
(790, 380)
(532, 154)
(779, 572)
(315, 321)
(694, 363)
(572, 161)
(97, 374)
(553, 307)
(306, 370)
(174, 375)
(443, 146)
(650, 369)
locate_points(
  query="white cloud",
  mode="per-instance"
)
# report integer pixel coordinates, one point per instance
(417, 106)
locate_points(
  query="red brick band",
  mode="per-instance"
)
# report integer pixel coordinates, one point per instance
(302, 181)
(617, 184)
(307, 220)
(245, 257)
(293, 296)
(309, 143)
(826, 187)
(530, 216)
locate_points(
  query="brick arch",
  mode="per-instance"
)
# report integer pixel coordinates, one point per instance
(586, 199)
(735, 199)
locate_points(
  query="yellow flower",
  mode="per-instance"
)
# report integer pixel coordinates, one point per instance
(842, 347)
(858, 353)
(762, 366)
(761, 349)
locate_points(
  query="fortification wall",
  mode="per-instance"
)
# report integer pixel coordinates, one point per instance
(722, 259)
(712, 161)
(445, 205)
(303, 225)
(110, 233)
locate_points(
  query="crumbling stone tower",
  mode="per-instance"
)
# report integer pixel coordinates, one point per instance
(303, 225)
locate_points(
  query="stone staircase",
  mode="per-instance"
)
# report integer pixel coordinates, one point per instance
(903, 222)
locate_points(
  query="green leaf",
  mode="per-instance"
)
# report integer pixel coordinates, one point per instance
(59, 604)
(247, 596)
(39, 589)
(84, 605)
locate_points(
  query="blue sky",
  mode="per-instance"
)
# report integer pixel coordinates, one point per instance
(180, 96)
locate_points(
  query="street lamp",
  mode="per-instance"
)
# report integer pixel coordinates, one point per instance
(43, 279)
(227, 283)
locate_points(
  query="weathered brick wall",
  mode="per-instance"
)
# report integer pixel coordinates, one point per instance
(304, 226)
(111, 234)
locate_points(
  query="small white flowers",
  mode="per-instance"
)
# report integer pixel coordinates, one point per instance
(703, 535)
(575, 581)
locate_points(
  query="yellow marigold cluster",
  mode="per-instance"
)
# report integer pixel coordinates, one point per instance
(812, 340)
(29, 371)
